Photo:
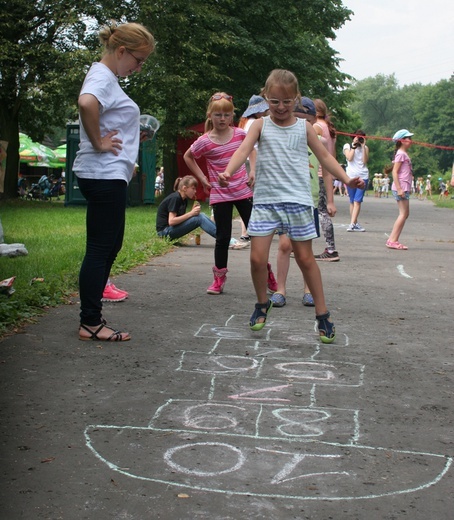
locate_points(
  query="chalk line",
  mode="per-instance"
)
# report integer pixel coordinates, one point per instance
(401, 270)
(249, 493)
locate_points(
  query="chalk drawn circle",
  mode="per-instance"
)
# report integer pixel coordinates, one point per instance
(199, 416)
(190, 471)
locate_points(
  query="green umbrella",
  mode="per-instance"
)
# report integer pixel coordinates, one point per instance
(60, 155)
(37, 155)
(24, 141)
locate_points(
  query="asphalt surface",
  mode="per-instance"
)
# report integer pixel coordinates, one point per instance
(199, 418)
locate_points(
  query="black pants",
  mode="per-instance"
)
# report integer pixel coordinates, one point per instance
(106, 208)
(223, 213)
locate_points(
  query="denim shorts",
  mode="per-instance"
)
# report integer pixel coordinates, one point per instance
(405, 197)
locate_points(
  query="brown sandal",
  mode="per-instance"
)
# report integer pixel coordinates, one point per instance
(115, 336)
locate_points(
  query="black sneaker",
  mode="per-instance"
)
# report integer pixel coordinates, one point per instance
(326, 256)
(245, 238)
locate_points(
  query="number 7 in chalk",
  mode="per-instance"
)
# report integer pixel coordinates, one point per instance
(295, 459)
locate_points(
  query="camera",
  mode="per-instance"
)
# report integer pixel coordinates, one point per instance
(359, 142)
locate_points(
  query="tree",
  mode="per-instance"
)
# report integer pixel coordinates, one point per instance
(45, 45)
(426, 110)
(206, 45)
(202, 46)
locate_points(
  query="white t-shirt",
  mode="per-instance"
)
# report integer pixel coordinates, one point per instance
(117, 112)
(356, 167)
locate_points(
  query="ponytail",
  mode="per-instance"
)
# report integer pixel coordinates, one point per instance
(397, 147)
(322, 113)
(187, 180)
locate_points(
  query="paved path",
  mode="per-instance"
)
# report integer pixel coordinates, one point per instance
(199, 418)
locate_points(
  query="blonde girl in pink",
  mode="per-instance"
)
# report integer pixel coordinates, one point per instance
(217, 145)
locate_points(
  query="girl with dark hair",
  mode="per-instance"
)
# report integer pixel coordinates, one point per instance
(357, 155)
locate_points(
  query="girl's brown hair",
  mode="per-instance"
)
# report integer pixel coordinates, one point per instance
(187, 180)
(322, 113)
(282, 78)
(133, 36)
(224, 104)
(242, 122)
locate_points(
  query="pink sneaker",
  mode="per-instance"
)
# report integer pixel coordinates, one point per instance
(272, 284)
(112, 295)
(118, 290)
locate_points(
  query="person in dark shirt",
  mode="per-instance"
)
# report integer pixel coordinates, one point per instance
(172, 220)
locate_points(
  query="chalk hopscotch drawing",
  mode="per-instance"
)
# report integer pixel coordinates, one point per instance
(259, 428)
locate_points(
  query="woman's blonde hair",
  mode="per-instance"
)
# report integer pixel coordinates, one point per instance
(282, 78)
(219, 102)
(133, 36)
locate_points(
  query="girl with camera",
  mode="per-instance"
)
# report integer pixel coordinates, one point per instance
(357, 155)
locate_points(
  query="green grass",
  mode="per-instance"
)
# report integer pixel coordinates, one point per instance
(444, 203)
(54, 236)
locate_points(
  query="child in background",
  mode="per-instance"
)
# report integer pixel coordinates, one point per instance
(401, 188)
(429, 187)
(306, 110)
(282, 194)
(172, 221)
(256, 109)
(386, 181)
(376, 184)
(220, 140)
(325, 128)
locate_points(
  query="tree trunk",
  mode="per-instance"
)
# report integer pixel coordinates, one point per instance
(170, 137)
(9, 131)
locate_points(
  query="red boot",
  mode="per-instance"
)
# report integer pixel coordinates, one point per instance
(220, 276)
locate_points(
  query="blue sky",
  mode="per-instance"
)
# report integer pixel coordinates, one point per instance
(412, 38)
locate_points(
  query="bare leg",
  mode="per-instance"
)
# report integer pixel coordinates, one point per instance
(305, 259)
(404, 212)
(260, 250)
(243, 229)
(283, 262)
(355, 208)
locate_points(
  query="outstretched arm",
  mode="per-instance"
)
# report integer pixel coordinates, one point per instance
(329, 162)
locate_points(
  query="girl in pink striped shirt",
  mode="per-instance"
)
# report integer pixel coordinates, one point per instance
(217, 145)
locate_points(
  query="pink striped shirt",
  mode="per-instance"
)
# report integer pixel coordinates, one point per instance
(217, 157)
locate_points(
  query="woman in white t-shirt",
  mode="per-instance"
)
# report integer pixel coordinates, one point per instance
(104, 165)
(357, 155)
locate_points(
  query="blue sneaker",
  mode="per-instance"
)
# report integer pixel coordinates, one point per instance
(278, 299)
(308, 300)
